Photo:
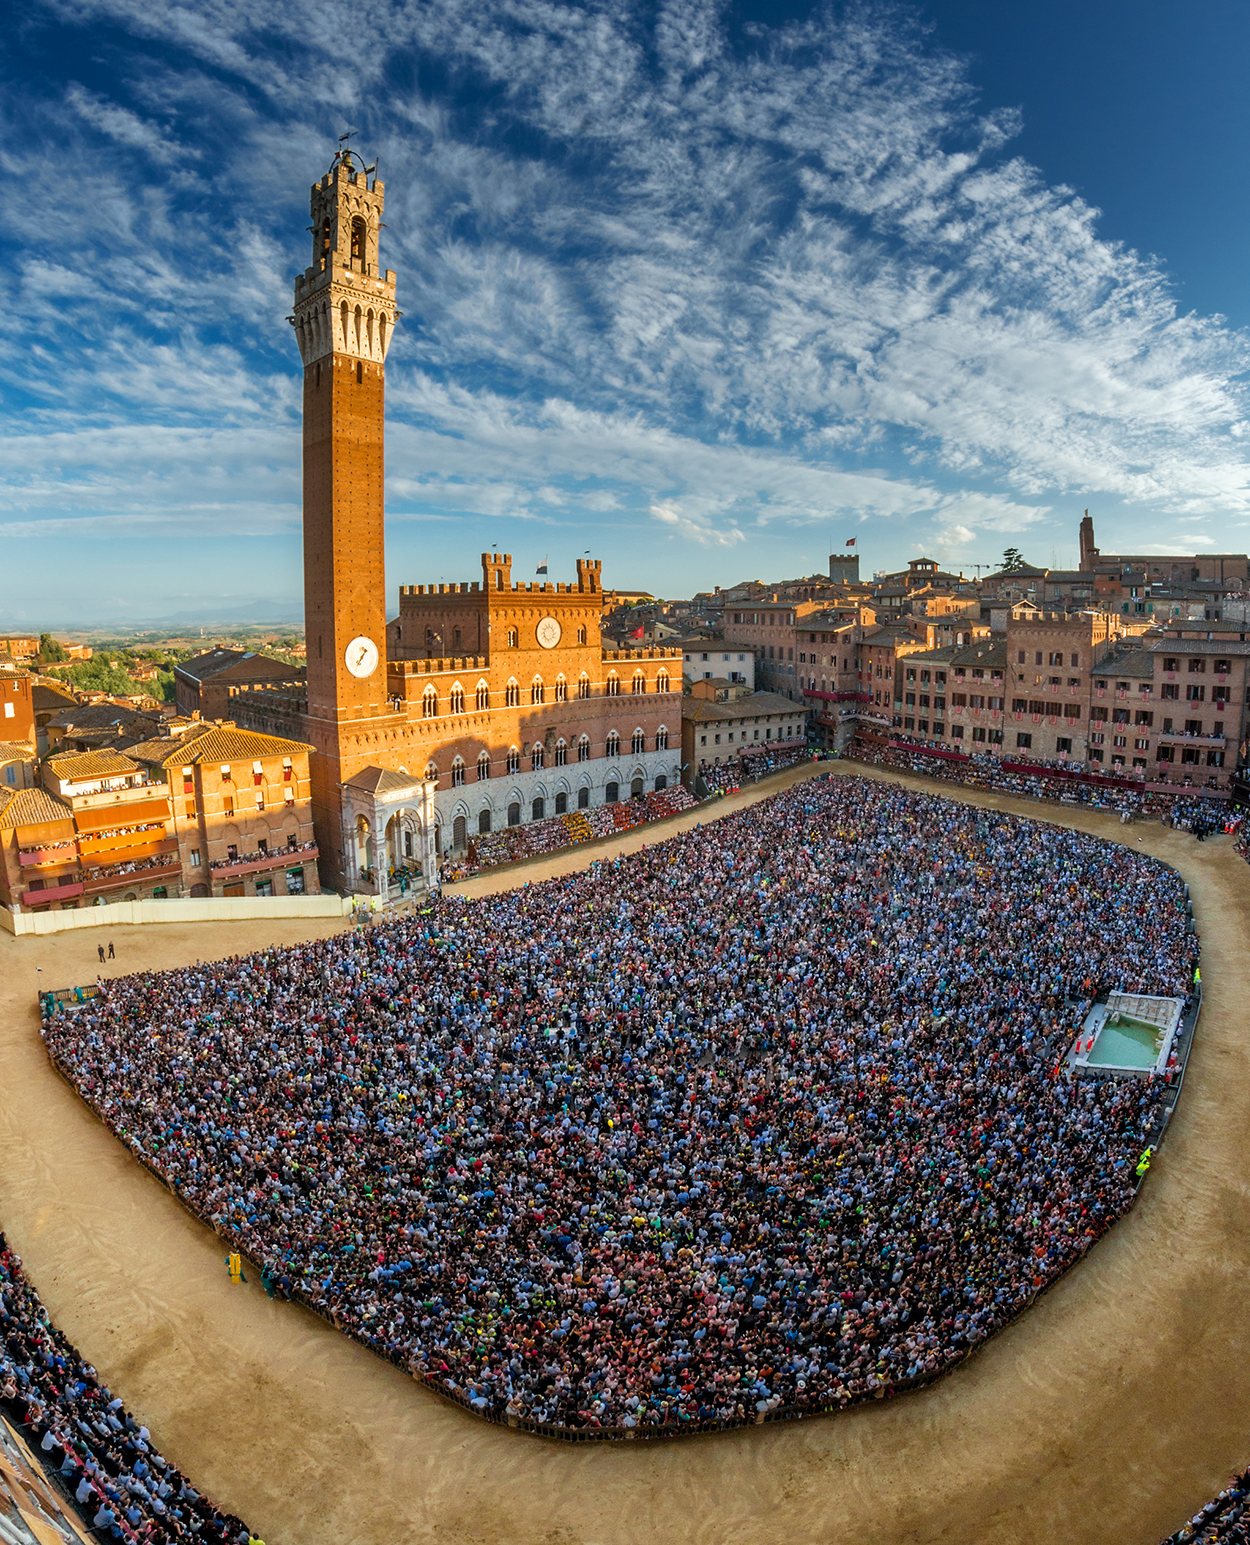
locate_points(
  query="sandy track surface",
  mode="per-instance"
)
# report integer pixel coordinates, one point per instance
(1109, 1412)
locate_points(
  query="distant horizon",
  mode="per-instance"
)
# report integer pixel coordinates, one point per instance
(708, 297)
(289, 614)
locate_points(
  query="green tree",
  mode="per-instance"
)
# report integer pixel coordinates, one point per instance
(100, 675)
(1013, 559)
(50, 651)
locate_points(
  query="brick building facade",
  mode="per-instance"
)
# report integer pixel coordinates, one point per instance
(479, 704)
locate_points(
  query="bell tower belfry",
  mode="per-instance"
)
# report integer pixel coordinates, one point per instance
(343, 318)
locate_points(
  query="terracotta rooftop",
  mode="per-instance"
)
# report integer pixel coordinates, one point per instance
(753, 705)
(11, 751)
(223, 743)
(30, 807)
(74, 766)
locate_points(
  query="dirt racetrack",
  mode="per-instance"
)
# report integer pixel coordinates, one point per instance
(1108, 1413)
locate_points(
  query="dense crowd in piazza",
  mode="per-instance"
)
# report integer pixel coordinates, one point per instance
(751, 768)
(1056, 782)
(102, 1456)
(534, 839)
(1223, 1521)
(762, 1119)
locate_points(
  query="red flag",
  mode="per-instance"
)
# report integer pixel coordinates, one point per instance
(637, 633)
(850, 541)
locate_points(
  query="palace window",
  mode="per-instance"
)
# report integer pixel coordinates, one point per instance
(457, 774)
(457, 699)
(583, 749)
(514, 760)
(512, 638)
(512, 694)
(562, 690)
(612, 746)
(562, 753)
(483, 766)
(661, 682)
(661, 739)
(614, 685)
(429, 704)
(537, 692)
(483, 697)
(581, 635)
(583, 685)
(431, 771)
(536, 757)
(639, 743)
(640, 683)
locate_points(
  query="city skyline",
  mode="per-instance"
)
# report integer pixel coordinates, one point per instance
(706, 299)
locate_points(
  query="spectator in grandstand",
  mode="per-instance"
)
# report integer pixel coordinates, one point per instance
(1223, 1521)
(766, 1116)
(105, 1458)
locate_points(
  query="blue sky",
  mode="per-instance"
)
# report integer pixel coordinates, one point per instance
(706, 289)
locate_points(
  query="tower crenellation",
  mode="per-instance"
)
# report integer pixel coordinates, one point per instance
(344, 301)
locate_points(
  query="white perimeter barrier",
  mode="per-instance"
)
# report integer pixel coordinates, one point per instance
(206, 909)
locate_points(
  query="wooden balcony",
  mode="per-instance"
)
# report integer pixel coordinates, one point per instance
(253, 863)
(63, 853)
(65, 892)
(159, 870)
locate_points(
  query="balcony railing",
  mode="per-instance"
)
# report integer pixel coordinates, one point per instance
(274, 859)
(117, 875)
(65, 892)
(1184, 738)
(62, 853)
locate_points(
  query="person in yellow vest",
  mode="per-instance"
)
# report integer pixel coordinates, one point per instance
(234, 1265)
(1143, 1164)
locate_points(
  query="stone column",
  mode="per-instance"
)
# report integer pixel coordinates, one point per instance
(429, 852)
(381, 858)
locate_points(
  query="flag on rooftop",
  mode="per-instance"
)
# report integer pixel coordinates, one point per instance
(542, 567)
(850, 541)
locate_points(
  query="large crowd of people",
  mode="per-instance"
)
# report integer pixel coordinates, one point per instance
(1058, 782)
(102, 1456)
(722, 777)
(1225, 1520)
(533, 839)
(766, 1118)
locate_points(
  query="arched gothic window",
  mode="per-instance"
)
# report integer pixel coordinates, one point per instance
(583, 749)
(512, 694)
(537, 691)
(661, 738)
(483, 697)
(639, 743)
(483, 766)
(613, 746)
(457, 699)
(536, 756)
(429, 703)
(562, 690)
(640, 683)
(583, 685)
(514, 760)
(562, 753)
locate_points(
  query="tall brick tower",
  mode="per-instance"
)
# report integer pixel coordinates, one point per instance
(344, 316)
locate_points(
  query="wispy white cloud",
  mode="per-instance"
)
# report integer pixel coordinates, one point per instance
(652, 275)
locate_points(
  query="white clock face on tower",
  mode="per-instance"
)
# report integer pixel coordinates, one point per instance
(549, 632)
(361, 656)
